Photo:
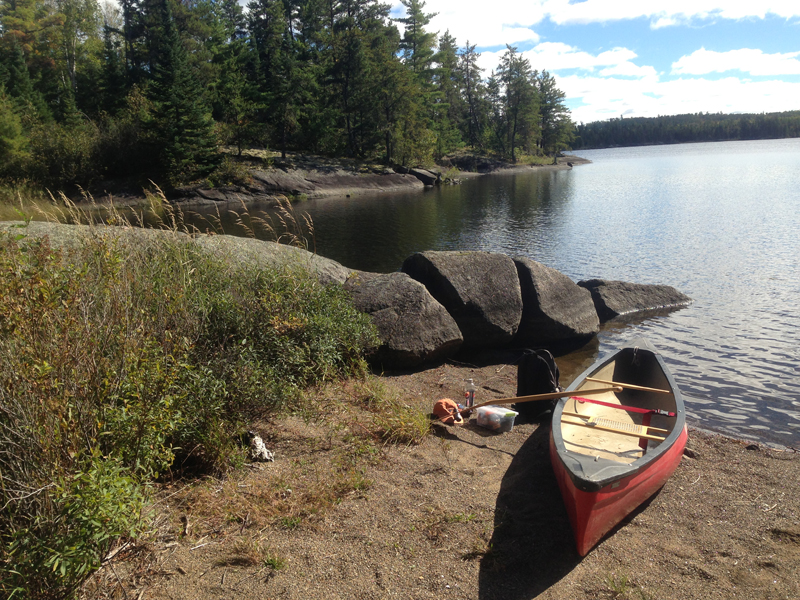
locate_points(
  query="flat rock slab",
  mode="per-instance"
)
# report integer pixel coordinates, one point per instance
(235, 250)
(238, 250)
(555, 308)
(480, 290)
(61, 235)
(413, 327)
(330, 182)
(617, 298)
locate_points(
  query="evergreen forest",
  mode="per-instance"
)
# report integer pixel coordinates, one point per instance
(679, 129)
(152, 89)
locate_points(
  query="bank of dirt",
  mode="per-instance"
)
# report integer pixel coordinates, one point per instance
(465, 514)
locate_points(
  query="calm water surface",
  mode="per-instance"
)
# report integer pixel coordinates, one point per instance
(718, 221)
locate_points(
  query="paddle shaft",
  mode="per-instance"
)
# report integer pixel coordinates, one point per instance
(629, 386)
(534, 398)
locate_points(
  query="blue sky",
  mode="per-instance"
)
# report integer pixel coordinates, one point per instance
(642, 57)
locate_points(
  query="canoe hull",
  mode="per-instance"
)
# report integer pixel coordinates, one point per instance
(593, 514)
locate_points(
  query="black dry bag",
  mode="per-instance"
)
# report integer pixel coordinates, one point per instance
(537, 374)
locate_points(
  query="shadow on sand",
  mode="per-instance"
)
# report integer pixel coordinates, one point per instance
(532, 546)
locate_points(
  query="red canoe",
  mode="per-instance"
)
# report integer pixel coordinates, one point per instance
(612, 451)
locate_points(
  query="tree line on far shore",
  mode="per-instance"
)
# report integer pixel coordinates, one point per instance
(152, 88)
(679, 129)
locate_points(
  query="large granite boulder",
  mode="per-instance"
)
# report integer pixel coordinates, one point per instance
(554, 308)
(616, 298)
(480, 290)
(412, 326)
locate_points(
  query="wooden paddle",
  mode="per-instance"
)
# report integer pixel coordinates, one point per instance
(534, 398)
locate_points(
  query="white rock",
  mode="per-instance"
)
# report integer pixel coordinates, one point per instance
(258, 451)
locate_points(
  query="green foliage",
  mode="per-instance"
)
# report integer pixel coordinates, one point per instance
(121, 360)
(62, 155)
(618, 585)
(274, 562)
(91, 509)
(394, 420)
(13, 143)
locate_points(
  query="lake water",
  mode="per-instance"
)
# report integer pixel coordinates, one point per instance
(718, 221)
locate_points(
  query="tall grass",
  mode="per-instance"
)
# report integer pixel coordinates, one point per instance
(130, 356)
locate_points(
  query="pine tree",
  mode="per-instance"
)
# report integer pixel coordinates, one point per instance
(555, 124)
(19, 87)
(519, 101)
(424, 131)
(473, 90)
(180, 127)
(13, 142)
(417, 45)
(447, 103)
(112, 81)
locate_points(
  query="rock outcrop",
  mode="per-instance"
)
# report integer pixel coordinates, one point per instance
(234, 250)
(616, 298)
(330, 182)
(412, 326)
(480, 290)
(425, 176)
(554, 308)
(239, 250)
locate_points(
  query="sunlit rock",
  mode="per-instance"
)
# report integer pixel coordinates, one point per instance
(412, 326)
(617, 298)
(554, 308)
(480, 290)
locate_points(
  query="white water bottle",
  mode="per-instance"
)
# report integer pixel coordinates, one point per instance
(469, 393)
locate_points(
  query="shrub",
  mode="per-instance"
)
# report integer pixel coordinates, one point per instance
(62, 155)
(122, 360)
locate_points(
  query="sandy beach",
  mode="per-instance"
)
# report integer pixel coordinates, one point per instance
(465, 514)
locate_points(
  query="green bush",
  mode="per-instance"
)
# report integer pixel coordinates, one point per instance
(63, 155)
(121, 361)
(13, 143)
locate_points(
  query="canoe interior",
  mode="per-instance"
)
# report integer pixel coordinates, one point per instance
(632, 367)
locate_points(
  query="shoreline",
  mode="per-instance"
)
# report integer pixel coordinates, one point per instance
(313, 179)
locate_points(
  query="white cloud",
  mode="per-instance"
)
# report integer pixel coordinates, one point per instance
(501, 22)
(603, 98)
(629, 69)
(663, 13)
(555, 56)
(746, 60)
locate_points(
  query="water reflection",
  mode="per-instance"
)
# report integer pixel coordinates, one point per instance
(717, 221)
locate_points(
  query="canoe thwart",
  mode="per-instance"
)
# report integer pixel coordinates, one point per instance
(629, 386)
